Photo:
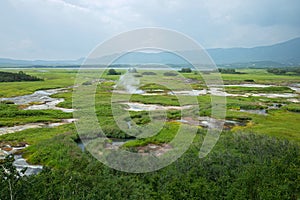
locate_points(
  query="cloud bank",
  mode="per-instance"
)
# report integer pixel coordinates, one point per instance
(69, 29)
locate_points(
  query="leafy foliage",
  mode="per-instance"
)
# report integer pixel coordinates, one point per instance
(241, 166)
(113, 72)
(186, 70)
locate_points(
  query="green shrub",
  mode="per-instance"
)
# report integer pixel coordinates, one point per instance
(186, 70)
(113, 72)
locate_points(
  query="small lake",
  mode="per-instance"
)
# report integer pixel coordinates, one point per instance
(151, 107)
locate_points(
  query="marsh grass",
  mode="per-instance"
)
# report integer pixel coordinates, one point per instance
(292, 107)
(279, 123)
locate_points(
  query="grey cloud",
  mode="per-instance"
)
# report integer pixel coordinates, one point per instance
(66, 29)
(269, 12)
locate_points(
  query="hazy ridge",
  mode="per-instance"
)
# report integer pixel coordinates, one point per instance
(281, 54)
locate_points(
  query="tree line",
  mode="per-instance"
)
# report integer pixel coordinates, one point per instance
(15, 77)
(285, 71)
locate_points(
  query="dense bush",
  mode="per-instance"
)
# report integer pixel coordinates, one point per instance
(186, 70)
(113, 72)
(241, 166)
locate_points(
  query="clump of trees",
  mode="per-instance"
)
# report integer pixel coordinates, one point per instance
(15, 77)
(285, 71)
(186, 70)
(229, 71)
(113, 72)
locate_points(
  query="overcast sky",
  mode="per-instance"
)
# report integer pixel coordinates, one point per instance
(70, 29)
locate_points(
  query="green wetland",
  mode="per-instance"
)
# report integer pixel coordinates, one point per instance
(256, 157)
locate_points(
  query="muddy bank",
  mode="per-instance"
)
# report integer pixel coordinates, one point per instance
(258, 111)
(154, 149)
(189, 93)
(208, 122)
(41, 99)
(294, 100)
(115, 143)
(40, 96)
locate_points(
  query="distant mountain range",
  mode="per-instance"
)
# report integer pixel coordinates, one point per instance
(286, 53)
(281, 54)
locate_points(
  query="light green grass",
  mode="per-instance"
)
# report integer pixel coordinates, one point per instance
(273, 89)
(36, 135)
(279, 123)
(260, 76)
(11, 115)
(57, 78)
(164, 136)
